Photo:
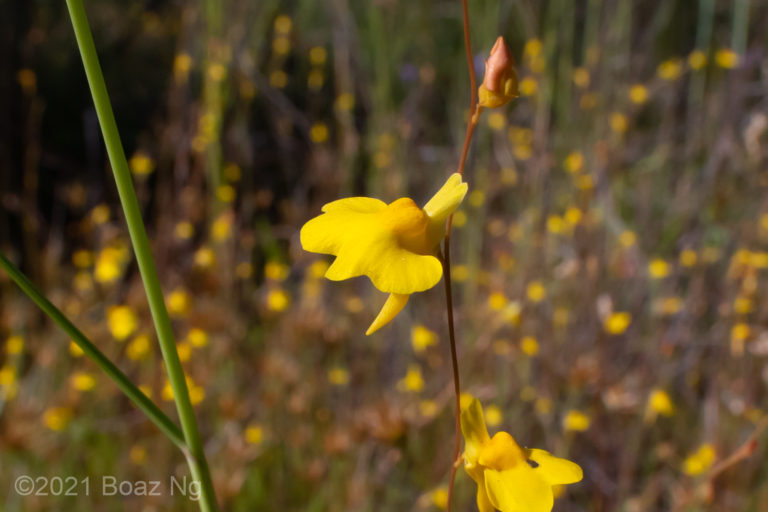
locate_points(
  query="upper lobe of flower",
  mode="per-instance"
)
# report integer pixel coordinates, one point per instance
(394, 245)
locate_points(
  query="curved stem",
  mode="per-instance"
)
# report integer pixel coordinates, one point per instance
(198, 465)
(474, 114)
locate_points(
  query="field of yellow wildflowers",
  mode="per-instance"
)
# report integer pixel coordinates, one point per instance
(608, 262)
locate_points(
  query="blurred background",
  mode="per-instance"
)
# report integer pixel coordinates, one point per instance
(609, 262)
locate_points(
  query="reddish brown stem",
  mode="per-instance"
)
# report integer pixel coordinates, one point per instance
(471, 122)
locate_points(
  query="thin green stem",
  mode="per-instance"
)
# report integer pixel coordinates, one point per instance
(157, 416)
(195, 456)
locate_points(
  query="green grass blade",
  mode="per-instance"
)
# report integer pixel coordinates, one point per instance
(157, 416)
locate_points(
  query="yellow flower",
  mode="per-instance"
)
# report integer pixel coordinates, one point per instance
(536, 291)
(82, 381)
(576, 421)
(727, 58)
(421, 338)
(529, 346)
(413, 381)
(394, 245)
(699, 461)
(57, 418)
(338, 376)
(14, 345)
(178, 302)
(510, 478)
(617, 322)
(122, 321)
(659, 403)
(138, 348)
(658, 268)
(254, 434)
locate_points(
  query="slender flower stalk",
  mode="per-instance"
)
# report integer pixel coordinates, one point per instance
(195, 454)
(471, 123)
(157, 416)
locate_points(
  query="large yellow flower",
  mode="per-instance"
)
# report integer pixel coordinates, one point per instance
(510, 478)
(394, 244)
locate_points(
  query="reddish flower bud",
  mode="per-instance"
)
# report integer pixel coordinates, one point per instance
(500, 82)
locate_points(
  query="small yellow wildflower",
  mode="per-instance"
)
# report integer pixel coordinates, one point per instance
(276, 271)
(315, 79)
(658, 268)
(619, 122)
(581, 77)
(576, 421)
(283, 24)
(345, 101)
(697, 59)
(182, 63)
(338, 376)
(110, 264)
(638, 94)
(743, 305)
(278, 300)
(510, 478)
(497, 121)
(184, 230)
(317, 55)
(699, 461)
(532, 48)
(122, 321)
(57, 418)
(204, 257)
(82, 258)
(178, 302)
(555, 224)
(14, 345)
(254, 434)
(184, 349)
(529, 346)
(688, 257)
(493, 416)
(617, 322)
(439, 497)
(726, 58)
(428, 408)
(74, 349)
(413, 382)
(659, 403)
(221, 229)
(573, 216)
(198, 338)
(460, 219)
(100, 214)
(137, 454)
(138, 348)
(141, 164)
(394, 245)
(422, 338)
(82, 381)
(497, 301)
(226, 193)
(535, 291)
(670, 70)
(476, 198)
(574, 162)
(529, 86)
(318, 133)
(9, 386)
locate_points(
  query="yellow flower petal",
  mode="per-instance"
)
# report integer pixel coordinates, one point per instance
(501, 453)
(519, 489)
(375, 252)
(324, 234)
(554, 470)
(444, 203)
(395, 303)
(474, 430)
(483, 501)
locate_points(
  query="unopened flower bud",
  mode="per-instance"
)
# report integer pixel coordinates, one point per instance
(500, 82)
